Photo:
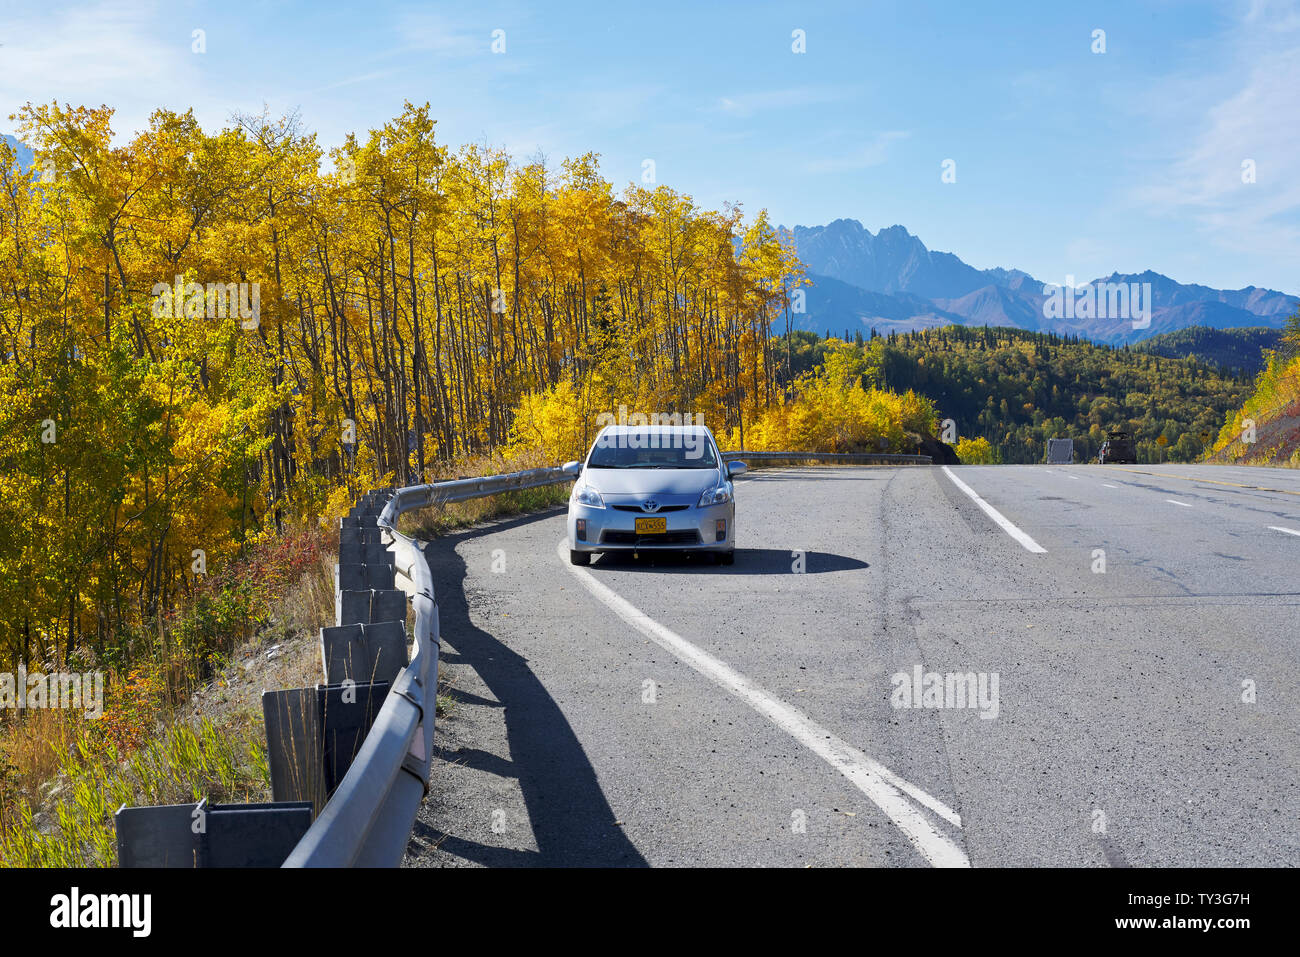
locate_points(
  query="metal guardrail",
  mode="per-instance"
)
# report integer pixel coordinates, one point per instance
(462, 490)
(368, 820)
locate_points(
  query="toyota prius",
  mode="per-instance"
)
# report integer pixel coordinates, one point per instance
(646, 488)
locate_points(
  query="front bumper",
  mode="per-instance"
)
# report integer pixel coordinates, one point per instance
(612, 529)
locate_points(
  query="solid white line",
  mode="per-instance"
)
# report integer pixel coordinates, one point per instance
(1279, 528)
(1172, 501)
(994, 514)
(887, 790)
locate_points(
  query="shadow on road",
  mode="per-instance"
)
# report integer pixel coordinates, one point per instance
(749, 561)
(572, 822)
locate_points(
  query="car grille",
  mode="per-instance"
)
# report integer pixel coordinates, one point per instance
(669, 538)
(661, 509)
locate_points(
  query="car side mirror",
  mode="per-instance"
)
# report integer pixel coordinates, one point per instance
(736, 468)
(571, 468)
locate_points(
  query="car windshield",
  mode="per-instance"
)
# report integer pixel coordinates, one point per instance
(653, 450)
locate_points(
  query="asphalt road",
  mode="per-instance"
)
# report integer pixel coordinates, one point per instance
(670, 712)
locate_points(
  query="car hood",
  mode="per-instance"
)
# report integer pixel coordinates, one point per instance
(638, 483)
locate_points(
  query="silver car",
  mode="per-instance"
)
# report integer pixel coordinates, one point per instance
(646, 488)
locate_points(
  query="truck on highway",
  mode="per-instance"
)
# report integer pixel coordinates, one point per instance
(1118, 449)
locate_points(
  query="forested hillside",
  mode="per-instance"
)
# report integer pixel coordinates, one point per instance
(207, 336)
(1017, 389)
(1231, 350)
(1266, 429)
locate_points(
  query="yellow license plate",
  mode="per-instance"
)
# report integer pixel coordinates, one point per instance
(651, 526)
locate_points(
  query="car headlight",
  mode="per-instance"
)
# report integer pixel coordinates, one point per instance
(586, 495)
(720, 495)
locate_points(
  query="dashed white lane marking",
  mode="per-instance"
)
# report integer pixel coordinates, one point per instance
(886, 789)
(1108, 485)
(1075, 477)
(993, 513)
(1173, 501)
(1279, 528)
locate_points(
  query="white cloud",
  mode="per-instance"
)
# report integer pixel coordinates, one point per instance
(1256, 122)
(133, 57)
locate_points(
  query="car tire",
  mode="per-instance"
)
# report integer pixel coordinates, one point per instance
(579, 558)
(727, 557)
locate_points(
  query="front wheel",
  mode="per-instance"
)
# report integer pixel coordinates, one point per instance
(727, 558)
(579, 558)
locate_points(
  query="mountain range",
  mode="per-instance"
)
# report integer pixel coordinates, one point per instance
(890, 281)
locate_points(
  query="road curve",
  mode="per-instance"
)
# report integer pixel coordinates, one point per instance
(1139, 670)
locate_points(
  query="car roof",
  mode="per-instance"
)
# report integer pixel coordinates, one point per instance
(626, 429)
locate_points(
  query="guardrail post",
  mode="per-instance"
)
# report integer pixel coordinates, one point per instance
(374, 652)
(294, 746)
(210, 835)
(346, 711)
(371, 605)
(312, 735)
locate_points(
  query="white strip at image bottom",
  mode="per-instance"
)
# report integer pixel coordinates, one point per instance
(886, 789)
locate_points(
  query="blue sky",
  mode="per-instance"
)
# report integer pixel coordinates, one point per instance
(1067, 161)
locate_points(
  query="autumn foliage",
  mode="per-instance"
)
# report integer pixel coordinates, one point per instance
(838, 408)
(417, 306)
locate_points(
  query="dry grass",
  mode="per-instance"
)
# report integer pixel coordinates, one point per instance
(72, 824)
(32, 749)
(62, 777)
